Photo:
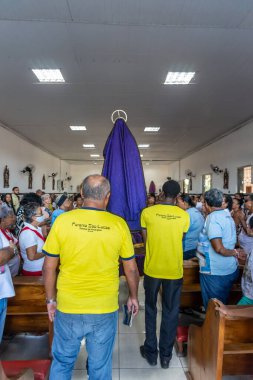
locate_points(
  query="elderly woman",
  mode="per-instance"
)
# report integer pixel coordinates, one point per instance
(197, 220)
(29, 197)
(31, 240)
(217, 256)
(6, 287)
(7, 222)
(46, 205)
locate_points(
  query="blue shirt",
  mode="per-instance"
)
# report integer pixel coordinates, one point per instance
(197, 221)
(55, 214)
(219, 224)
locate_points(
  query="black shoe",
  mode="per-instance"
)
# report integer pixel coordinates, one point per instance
(150, 361)
(165, 362)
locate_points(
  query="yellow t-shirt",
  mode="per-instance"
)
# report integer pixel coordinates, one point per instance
(88, 242)
(165, 225)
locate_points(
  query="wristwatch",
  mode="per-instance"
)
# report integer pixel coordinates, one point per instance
(15, 251)
(48, 301)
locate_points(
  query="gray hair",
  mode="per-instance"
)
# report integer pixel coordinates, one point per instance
(95, 187)
(5, 211)
(30, 210)
(214, 197)
(45, 196)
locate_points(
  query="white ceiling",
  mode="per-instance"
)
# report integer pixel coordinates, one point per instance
(116, 54)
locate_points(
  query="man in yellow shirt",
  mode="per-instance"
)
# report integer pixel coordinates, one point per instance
(87, 244)
(163, 228)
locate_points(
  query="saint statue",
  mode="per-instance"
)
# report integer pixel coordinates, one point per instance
(30, 180)
(6, 176)
(43, 182)
(225, 179)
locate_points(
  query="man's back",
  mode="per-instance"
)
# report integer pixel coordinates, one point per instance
(165, 224)
(89, 242)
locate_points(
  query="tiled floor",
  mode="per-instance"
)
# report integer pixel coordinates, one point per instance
(127, 361)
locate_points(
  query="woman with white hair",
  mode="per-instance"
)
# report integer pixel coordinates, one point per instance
(6, 286)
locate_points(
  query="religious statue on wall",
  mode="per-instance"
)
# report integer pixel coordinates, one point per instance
(226, 179)
(6, 176)
(53, 175)
(30, 180)
(43, 182)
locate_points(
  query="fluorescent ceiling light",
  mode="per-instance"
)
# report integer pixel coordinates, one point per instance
(95, 155)
(89, 146)
(77, 127)
(141, 155)
(151, 129)
(49, 76)
(143, 146)
(179, 77)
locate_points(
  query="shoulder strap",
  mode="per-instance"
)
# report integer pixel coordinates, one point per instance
(9, 238)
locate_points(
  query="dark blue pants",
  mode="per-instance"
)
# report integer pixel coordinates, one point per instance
(171, 291)
(216, 286)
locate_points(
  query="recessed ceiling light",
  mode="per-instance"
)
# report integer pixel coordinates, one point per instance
(179, 77)
(151, 129)
(94, 155)
(89, 146)
(77, 127)
(49, 76)
(141, 155)
(143, 146)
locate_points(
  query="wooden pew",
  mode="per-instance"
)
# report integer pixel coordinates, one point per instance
(222, 346)
(27, 311)
(191, 292)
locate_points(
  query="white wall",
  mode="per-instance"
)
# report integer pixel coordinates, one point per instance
(17, 153)
(231, 152)
(152, 172)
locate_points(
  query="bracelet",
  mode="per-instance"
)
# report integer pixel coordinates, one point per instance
(237, 254)
(49, 301)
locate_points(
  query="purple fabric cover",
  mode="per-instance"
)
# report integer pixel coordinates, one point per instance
(123, 168)
(152, 188)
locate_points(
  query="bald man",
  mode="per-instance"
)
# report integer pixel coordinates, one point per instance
(87, 243)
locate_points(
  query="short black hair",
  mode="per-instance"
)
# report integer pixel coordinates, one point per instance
(188, 199)
(171, 189)
(15, 187)
(31, 197)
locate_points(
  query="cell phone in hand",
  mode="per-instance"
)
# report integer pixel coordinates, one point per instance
(127, 315)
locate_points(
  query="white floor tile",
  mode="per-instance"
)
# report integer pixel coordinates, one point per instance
(153, 374)
(129, 352)
(184, 361)
(81, 360)
(82, 375)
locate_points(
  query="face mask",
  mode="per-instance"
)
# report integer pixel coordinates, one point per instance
(40, 219)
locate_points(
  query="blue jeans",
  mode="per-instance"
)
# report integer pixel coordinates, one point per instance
(3, 309)
(219, 287)
(69, 330)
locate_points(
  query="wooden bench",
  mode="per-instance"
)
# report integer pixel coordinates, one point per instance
(27, 311)
(191, 292)
(222, 346)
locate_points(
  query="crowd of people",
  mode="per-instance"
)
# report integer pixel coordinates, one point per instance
(76, 245)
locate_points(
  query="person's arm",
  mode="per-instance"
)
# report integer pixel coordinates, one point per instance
(144, 236)
(32, 253)
(132, 277)
(236, 312)
(6, 254)
(50, 277)
(243, 222)
(220, 249)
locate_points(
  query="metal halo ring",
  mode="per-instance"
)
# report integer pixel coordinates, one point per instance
(120, 115)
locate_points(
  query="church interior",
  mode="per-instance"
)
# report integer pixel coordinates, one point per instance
(179, 74)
